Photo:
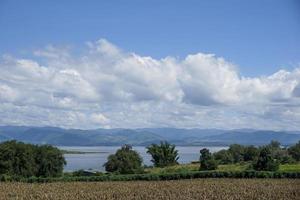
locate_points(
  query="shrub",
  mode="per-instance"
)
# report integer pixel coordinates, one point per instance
(237, 152)
(265, 161)
(124, 161)
(294, 151)
(223, 157)
(250, 153)
(207, 162)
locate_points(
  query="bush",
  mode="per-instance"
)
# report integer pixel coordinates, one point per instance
(250, 153)
(223, 157)
(157, 177)
(207, 162)
(265, 161)
(294, 151)
(163, 155)
(124, 161)
(237, 152)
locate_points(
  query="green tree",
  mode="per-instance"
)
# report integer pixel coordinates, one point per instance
(274, 144)
(294, 151)
(124, 161)
(50, 161)
(163, 154)
(280, 154)
(223, 157)
(237, 152)
(250, 153)
(207, 162)
(17, 158)
(25, 160)
(265, 161)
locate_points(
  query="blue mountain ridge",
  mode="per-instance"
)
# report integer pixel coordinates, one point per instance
(144, 136)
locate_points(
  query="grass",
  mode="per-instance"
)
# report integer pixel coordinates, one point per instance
(223, 189)
(229, 167)
(173, 169)
(234, 167)
(290, 167)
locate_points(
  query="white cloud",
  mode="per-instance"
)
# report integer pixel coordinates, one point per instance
(105, 86)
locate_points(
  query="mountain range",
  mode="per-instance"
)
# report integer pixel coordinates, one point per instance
(144, 136)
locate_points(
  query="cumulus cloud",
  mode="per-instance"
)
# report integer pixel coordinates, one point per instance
(107, 87)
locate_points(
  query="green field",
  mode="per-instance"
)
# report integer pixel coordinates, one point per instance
(229, 167)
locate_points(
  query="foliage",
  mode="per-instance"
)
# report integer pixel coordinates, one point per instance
(234, 167)
(207, 162)
(25, 160)
(173, 169)
(163, 154)
(50, 161)
(265, 161)
(250, 153)
(294, 151)
(223, 156)
(237, 152)
(156, 177)
(124, 161)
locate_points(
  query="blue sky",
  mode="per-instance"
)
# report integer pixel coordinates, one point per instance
(260, 36)
(190, 64)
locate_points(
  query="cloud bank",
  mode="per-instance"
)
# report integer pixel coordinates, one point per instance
(104, 86)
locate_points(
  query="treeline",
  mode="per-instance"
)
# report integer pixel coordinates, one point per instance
(18, 159)
(264, 158)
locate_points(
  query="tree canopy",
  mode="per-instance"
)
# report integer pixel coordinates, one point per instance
(20, 159)
(124, 161)
(163, 154)
(294, 151)
(266, 161)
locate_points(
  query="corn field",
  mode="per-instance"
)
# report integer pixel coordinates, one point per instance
(181, 189)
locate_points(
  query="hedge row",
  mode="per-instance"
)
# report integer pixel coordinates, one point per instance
(157, 177)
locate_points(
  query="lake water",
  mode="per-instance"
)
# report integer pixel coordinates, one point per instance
(98, 156)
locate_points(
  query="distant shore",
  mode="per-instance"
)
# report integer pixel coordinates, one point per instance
(81, 152)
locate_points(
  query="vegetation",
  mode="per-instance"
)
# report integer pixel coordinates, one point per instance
(221, 189)
(265, 161)
(163, 154)
(207, 162)
(25, 160)
(33, 163)
(156, 177)
(289, 167)
(262, 158)
(294, 151)
(124, 161)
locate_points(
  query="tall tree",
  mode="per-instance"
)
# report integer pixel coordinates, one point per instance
(163, 155)
(50, 161)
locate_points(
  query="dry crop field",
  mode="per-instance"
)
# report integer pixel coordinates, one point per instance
(180, 189)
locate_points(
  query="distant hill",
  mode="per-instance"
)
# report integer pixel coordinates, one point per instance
(144, 136)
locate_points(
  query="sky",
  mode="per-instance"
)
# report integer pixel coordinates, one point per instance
(190, 64)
